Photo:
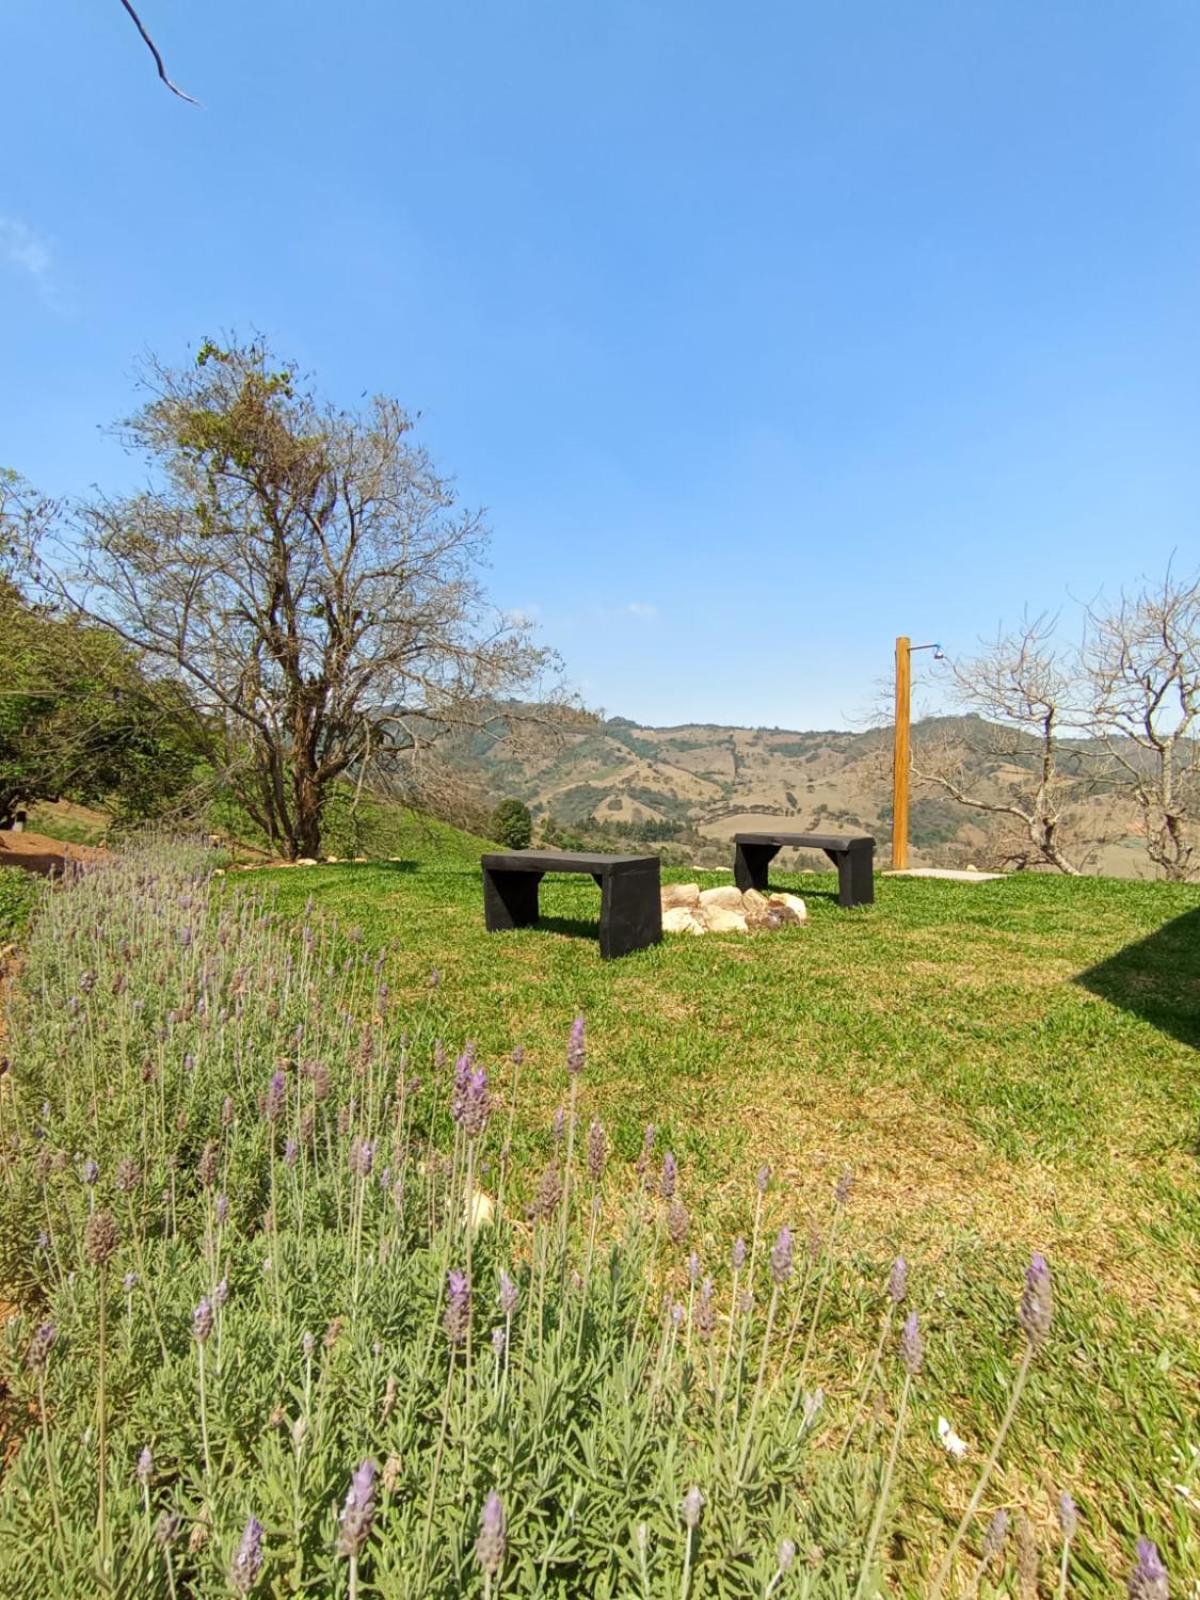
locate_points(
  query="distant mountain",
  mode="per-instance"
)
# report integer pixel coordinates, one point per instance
(688, 789)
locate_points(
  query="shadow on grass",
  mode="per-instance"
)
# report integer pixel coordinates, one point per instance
(1158, 978)
(576, 927)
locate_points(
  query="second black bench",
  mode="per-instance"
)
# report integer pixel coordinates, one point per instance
(853, 854)
(630, 902)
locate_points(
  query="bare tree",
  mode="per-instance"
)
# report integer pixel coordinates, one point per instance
(1142, 660)
(1013, 765)
(305, 571)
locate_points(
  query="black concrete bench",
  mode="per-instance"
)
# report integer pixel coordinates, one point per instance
(853, 854)
(630, 903)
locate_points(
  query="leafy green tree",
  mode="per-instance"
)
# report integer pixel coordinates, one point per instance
(79, 721)
(512, 824)
(304, 572)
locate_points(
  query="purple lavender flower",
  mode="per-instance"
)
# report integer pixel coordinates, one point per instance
(550, 1191)
(457, 1318)
(912, 1348)
(222, 1210)
(706, 1316)
(221, 1293)
(1148, 1580)
(290, 1151)
(576, 1048)
(91, 1173)
(435, 979)
(737, 1255)
(359, 1510)
(898, 1281)
(642, 1166)
(693, 1266)
(202, 1321)
(844, 1185)
(782, 1256)
(276, 1097)
(518, 1055)
(678, 1223)
(670, 1173)
(130, 1282)
(1037, 1301)
(247, 1563)
(786, 1555)
(362, 1158)
(40, 1345)
(166, 1529)
(560, 1125)
(993, 1539)
(308, 1344)
(145, 1465)
(597, 1150)
(499, 1341)
(492, 1541)
(693, 1502)
(508, 1294)
(1068, 1516)
(763, 1178)
(476, 1103)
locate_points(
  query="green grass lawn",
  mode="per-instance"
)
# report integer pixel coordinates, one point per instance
(1005, 1067)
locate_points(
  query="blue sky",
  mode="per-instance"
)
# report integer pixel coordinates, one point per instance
(763, 333)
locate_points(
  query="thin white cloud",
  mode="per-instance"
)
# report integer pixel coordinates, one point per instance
(523, 616)
(642, 610)
(24, 250)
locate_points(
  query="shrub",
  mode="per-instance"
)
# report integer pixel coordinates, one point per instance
(19, 893)
(512, 824)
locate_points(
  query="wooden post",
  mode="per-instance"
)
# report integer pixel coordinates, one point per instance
(901, 756)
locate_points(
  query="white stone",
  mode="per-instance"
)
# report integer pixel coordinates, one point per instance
(680, 894)
(681, 919)
(720, 919)
(792, 902)
(480, 1210)
(725, 895)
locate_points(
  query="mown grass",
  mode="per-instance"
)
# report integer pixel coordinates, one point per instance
(1005, 1066)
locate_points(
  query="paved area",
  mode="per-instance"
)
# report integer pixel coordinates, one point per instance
(955, 875)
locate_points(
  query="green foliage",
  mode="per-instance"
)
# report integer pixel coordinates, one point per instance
(78, 720)
(20, 892)
(512, 824)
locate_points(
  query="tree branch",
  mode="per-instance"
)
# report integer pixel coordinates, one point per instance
(158, 60)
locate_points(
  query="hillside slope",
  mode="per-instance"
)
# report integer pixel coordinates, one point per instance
(697, 784)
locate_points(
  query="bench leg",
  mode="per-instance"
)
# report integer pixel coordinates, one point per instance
(750, 865)
(856, 878)
(510, 899)
(630, 912)
(862, 875)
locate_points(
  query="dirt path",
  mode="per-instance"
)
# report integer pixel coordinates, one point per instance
(37, 853)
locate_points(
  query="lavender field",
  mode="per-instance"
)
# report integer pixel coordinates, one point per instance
(302, 1304)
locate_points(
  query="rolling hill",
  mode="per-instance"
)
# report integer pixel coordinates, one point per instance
(688, 789)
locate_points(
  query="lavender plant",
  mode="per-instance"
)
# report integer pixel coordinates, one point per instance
(304, 1355)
